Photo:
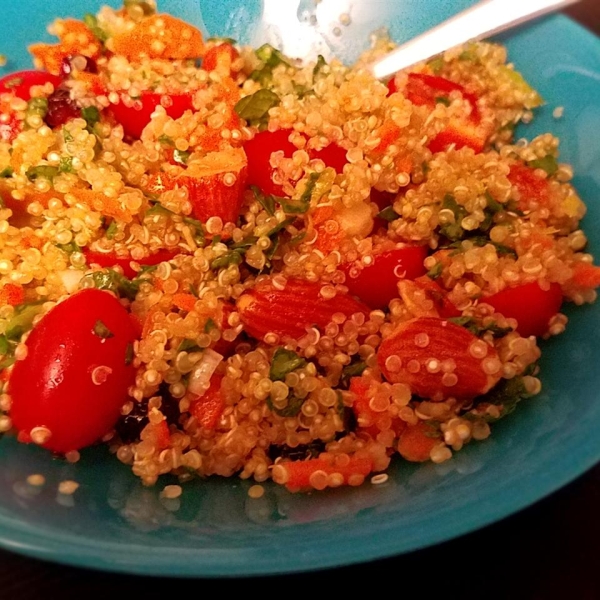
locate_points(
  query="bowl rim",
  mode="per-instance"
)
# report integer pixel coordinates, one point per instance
(380, 542)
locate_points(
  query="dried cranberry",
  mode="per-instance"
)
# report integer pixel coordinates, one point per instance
(130, 426)
(61, 108)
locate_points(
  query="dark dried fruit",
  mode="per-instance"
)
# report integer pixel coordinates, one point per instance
(61, 108)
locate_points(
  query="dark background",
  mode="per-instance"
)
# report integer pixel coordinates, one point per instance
(550, 550)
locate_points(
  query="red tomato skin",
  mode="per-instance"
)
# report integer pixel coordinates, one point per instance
(259, 150)
(377, 284)
(29, 78)
(530, 305)
(110, 260)
(53, 387)
(134, 121)
(333, 156)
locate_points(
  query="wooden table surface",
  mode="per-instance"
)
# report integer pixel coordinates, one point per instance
(550, 550)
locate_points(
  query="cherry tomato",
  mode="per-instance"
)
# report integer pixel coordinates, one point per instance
(134, 120)
(220, 57)
(259, 150)
(377, 284)
(74, 379)
(530, 305)
(20, 83)
(532, 189)
(111, 260)
(425, 89)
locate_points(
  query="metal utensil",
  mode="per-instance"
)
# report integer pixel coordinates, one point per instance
(482, 20)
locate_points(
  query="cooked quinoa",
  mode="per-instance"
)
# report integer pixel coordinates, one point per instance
(428, 161)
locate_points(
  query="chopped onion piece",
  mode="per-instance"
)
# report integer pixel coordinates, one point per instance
(70, 279)
(203, 371)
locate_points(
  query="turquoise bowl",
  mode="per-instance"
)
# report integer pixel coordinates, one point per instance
(114, 523)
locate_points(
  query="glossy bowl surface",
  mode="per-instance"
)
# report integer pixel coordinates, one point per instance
(113, 523)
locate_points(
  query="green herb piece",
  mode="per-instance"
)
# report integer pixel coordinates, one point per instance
(37, 106)
(102, 331)
(197, 230)
(267, 202)
(166, 140)
(91, 115)
(280, 226)
(443, 100)
(292, 409)
(388, 214)
(255, 108)
(209, 325)
(188, 345)
(181, 156)
(302, 204)
(92, 24)
(108, 279)
(492, 204)
(112, 230)
(284, 362)
(69, 248)
(158, 209)
(453, 231)
(352, 370)
(22, 320)
(478, 330)
(425, 167)
(44, 171)
(66, 165)
(435, 271)
(321, 62)
(229, 258)
(270, 253)
(548, 164)
(436, 65)
(4, 345)
(67, 136)
(6, 172)
(506, 394)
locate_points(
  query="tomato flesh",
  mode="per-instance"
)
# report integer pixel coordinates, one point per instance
(60, 386)
(111, 260)
(377, 284)
(530, 305)
(134, 120)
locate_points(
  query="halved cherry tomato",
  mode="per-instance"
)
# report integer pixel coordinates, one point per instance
(20, 83)
(111, 260)
(134, 119)
(377, 283)
(439, 297)
(74, 379)
(530, 305)
(259, 150)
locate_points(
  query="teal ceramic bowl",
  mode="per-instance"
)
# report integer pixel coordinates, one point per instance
(114, 523)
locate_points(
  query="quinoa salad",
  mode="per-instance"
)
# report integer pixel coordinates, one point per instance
(216, 260)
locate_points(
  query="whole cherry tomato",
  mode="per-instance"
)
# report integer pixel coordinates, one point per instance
(74, 379)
